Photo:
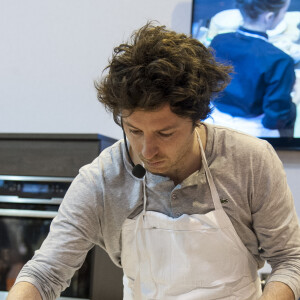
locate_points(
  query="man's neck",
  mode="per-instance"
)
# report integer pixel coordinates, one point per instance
(194, 162)
(259, 25)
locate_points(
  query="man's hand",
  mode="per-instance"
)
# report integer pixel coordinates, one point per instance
(22, 291)
(276, 290)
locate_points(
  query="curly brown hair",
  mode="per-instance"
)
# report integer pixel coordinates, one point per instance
(160, 66)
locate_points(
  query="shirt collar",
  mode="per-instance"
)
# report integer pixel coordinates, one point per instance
(263, 34)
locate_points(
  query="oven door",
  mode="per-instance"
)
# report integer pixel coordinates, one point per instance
(23, 228)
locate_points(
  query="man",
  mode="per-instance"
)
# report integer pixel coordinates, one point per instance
(258, 100)
(211, 207)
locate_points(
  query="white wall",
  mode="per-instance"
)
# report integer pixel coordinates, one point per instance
(51, 51)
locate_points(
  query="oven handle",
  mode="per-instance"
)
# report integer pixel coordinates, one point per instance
(27, 213)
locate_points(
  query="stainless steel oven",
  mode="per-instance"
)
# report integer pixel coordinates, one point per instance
(27, 206)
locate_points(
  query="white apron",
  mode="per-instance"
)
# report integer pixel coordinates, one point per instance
(191, 257)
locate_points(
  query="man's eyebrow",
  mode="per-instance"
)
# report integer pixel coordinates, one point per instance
(128, 124)
(170, 127)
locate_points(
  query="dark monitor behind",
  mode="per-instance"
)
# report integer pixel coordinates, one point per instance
(213, 17)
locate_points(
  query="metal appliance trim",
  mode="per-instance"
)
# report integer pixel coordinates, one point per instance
(16, 199)
(27, 213)
(3, 296)
(36, 178)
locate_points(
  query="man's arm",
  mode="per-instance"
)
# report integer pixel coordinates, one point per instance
(24, 290)
(277, 291)
(279, 110)
(73, 232)
(276, 225)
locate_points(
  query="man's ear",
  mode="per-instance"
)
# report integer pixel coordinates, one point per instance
(269, 19)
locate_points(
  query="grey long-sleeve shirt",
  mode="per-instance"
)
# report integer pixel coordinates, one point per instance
(247, 173)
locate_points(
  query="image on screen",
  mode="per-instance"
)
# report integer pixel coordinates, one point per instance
(264, 92)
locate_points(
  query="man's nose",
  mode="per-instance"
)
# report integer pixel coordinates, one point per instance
(149, 149)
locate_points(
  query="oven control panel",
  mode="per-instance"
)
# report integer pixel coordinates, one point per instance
(33, 188)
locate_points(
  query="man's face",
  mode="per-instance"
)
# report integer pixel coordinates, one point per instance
(160, 139)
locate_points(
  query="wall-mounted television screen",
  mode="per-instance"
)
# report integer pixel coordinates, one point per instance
(263, 97)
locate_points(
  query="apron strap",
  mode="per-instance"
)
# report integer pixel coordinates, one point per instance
(144, 195)
(213, 189)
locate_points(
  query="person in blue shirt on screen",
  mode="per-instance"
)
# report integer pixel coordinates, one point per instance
(263, 76)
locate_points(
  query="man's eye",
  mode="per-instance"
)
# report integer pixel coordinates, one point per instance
(165, 134)
(135, 132)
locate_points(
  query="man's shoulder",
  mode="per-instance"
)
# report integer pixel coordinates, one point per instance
(110, 162)
(222, 36)
(263, 47)
(114, 151)
(235, 150)
(219, 39)
(224, 138)
(275, 52)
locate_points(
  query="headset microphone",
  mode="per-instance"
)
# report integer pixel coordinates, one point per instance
(137, 170)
